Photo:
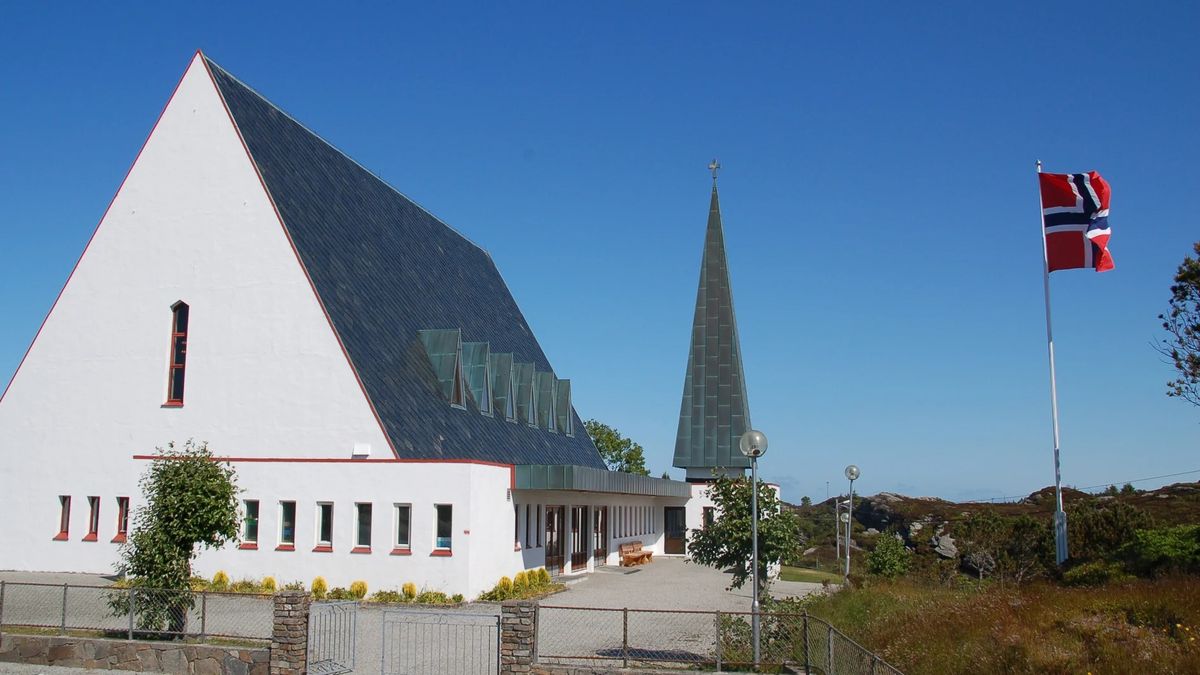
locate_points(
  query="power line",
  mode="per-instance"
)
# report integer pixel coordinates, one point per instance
(1102, 485)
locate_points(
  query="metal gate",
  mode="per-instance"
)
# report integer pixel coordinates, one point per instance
(331, 632)
(416, 642)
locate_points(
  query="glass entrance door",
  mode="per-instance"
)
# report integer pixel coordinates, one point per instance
(554, 539)
(600, 534)
(675, 524)
(579, 538)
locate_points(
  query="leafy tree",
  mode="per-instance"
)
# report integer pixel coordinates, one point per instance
(805, 501)
(727, 542)
(890, 557)
(618, 452)
(1182, 322)
(1128, 489)
(190, 502)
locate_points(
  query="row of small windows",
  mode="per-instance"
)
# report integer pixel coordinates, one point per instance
(470, 374)
(93, 521)
(363, 529)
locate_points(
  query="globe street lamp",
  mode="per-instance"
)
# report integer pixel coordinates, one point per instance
(852, 473)
(753, 444)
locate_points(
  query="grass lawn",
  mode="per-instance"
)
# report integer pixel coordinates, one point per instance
(809, 575)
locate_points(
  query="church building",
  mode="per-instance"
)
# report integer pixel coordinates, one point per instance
(363, 366)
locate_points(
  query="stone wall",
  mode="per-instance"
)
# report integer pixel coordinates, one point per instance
(518, 628)
(102, 654)
(289, 634)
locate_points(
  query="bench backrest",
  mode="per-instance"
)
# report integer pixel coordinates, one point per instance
(631, 547)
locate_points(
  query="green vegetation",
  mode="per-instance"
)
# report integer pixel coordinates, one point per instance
(811, 576)
(890, 558)
(727, 542)
(526, 585)
(1182, 323)
(618, 452)
(1140, 626)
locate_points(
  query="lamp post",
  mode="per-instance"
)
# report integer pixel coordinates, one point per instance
(753, 444)
(852, 473)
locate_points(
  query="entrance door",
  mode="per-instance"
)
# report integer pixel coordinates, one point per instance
(600, 534)
(675, 524)
(554, 539)
(579, 538)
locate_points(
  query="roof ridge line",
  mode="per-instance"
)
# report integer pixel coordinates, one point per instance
(341, 152)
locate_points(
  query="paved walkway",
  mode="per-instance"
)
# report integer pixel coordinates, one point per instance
(667, 583)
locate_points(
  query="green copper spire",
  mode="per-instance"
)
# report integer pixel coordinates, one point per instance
(715, 412)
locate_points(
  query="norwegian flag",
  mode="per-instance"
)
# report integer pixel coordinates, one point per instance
(1075, 215)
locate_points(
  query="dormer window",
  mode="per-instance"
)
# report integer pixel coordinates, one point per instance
(523, 385)
(444, 349)
(179, 335)
(546, 417)
(562, 408)
(475, 366)
(500, 371)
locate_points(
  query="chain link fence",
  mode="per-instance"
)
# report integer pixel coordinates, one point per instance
(136, 612)
(645, 638)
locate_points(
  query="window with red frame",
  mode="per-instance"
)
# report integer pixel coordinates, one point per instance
(122, 519)
(179, 332)
(64, 517)
(93, 518)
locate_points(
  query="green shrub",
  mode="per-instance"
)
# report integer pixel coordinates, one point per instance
(457, 598)
(358, 590)
(1095, 573)
(505, 586)
(410, 591)
(197, 584)
(433, 598)
(388, 597)
(339, 593)
(521, 580)
(1164, 550)
(543, 576)
(245, 586)
(890, 558)
(1099, 530)
(268, 584)
(319, 588)
(293, 586)
(220, 581)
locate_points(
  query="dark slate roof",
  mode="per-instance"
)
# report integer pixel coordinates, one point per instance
(715, 412)
(385, 269)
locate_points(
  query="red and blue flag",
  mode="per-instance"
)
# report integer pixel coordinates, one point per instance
(1075, 215)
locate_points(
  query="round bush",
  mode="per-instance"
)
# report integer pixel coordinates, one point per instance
(319, 588)
(409, 589)
(268, 584)
(220, 581)
(358, 590)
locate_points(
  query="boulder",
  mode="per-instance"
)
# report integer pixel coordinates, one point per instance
(943, 545)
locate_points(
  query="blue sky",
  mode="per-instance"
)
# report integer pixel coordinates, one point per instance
(878, 193)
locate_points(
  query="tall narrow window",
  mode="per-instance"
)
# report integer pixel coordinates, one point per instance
(179, 329)
(93, 519)
(538, 532)
(287, 526)
(250, 524)
(528, 533)
(445, 522)
(324, 528)
(710, 516)
(64, 517)
(403, 543)
(362, 535)
(122, 520)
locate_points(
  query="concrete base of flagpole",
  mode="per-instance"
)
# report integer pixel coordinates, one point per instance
(1060, 537)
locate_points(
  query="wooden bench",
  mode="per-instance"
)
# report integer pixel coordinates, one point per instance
(633, 554)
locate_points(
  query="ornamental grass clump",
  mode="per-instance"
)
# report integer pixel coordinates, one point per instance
(524, 585)
(220, 582)
(358, 590)
(319, 588)
(409, 589)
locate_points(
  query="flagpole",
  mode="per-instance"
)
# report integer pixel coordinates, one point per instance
(1060, 516)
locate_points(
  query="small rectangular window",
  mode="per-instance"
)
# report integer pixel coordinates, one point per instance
(93, 518)
(363, 535)
(250, 523)
(64, 516)
(403, 522)
(325, 525)
(122, 518)
(710, 516)
(287, 523)
(445, 523)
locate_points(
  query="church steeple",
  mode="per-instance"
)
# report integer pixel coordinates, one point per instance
(715, 412)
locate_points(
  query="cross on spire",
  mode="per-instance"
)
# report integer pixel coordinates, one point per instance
(714, 166)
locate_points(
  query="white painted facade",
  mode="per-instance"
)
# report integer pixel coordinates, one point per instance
(267, 384)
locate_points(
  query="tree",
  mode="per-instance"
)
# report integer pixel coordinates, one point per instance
(805, 501)
(727, 543)
(890, 557)
(190, 502)
(1182, 322)
(666, 475)
(618, 452)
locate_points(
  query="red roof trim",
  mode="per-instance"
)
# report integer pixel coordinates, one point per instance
(288, 235)
(97, 228)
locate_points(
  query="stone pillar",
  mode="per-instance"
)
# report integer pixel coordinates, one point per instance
(289, 636)
(518, 631)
